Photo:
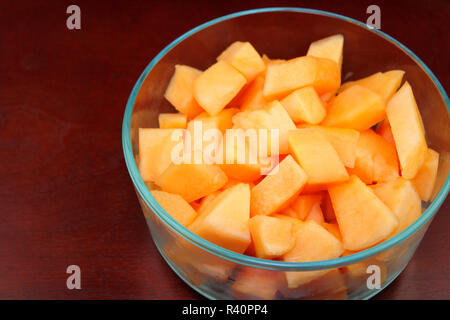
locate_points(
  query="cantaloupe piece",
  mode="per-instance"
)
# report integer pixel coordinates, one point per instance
(180, 91)
(401, 197)
(376, 159)
(363, 218)
(330, 47)
(333, 228)
(217, 86)
(304, 105)
(176, 206)
(172, 120)
(255, 283)
(221, 121)
(407, 129)
(425, 178)
(244, 57)
(317, 157)
(268, 60)
(343, 140)
(357, 108)
(284, 77)
(272, 237)
(225, 219)
(192, 181)
(313, 243)
(206, 200)
(276, 190)
(385, 84)
(384, 130)
(252, 96)
(316, 214)
(155, 147)
(272, 116)
(302, 205)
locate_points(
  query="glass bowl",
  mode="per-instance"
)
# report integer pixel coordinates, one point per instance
(218, 273)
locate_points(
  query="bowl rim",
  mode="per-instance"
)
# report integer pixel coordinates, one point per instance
(243, 259)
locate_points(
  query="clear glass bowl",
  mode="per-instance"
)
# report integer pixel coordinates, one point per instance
(218, 273)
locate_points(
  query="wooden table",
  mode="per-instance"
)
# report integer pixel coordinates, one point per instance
(65, 193)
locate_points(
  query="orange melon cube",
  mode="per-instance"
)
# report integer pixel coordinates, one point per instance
(252, 96)
(206, 200)
(155, 147)
(401, 197)
(272, 116)
(384, 130)
(172, 121)
(357, 108)
(330, 47)
(333, 228)
(407, 129)
(272, 237)
(221, 121)
(217, 86)
(180, 91)
(317, 157)
(316, 214)
(302, 205)
(343, 140)
(304, 105)
(254, 283)
(425, 178)
(176, 206)
(363, 218)
(284, 77)
(278, 188)
(313, 243)
(192, 181)
(244, 57)
(225, 220)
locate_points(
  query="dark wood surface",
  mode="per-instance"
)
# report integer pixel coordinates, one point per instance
(65, 193)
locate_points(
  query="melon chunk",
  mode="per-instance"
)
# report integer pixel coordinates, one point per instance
(384, 130)
(363, 218)
(244, 57)
(256, 283)
(304, 105)
(172, 121)
(180, 91)
(343, 140)
(316, 214)
(217, 86)
(330, 47)
(272, 237)
(278, 188)
(155, 147)
(252, 96)
(176, 206)
(357, 108)
(272, 116)
(317, 157)
(333, 228)
(192, 181)
(407, 129)
(225, 219)
(284, 77)
(425, 178)
(302, 205)
(376, 159)
(401, 197)
(313, 243)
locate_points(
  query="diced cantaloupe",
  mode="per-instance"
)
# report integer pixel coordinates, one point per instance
(316, 214)
(425, 178)
(221, 121)
(304, 105)
(376, 159)
(252, 96)
(284, 77)
(225, 219)
(363, 218)
(384, 130)
(272, 116)
(272, 237)
(176, 206)
(356, 108)
(217, 86)
(313, 243)
(407, 129)
(333, 228)
(385, 84)
(256, 283)
(155, 148)
(401, 197)
(302, 205)
(206, 200)
(180, 91)
(192, 181)
(277, 189)
(330, 47)
(244, 57)
(343, 140)
(317, 157)
(172, 120)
